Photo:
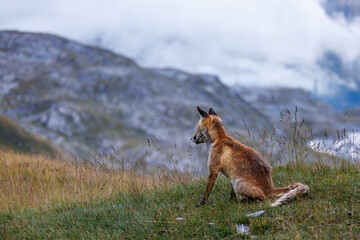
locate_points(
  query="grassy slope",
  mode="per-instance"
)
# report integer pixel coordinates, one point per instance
(37, 182)
(17, 139)
(142, 214)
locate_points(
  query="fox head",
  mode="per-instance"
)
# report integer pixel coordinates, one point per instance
(207, 124)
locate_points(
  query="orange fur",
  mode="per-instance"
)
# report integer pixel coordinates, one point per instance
(249, 173)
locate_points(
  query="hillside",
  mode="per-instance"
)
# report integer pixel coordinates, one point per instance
(13, 137)
(90, 206)
(85, 100)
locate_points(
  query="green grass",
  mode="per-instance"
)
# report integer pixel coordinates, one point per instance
(330, 211)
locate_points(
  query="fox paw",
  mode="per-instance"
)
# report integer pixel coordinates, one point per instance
(201, 203)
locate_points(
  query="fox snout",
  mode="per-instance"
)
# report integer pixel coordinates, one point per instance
(200, 137)
(195, 139)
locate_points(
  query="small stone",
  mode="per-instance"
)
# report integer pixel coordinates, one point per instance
(255, 214)
(179, 219)
(242, 229)
(210, 224)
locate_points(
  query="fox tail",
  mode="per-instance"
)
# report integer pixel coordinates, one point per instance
(289, 193)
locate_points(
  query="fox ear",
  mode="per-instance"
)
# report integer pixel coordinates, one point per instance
(212, 112)
(201, 112)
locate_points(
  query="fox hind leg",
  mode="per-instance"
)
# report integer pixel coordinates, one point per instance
(232, 193)
(248, 190)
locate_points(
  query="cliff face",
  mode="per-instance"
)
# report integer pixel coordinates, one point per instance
(86, 100)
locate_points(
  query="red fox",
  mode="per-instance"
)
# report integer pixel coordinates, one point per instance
(249, 173)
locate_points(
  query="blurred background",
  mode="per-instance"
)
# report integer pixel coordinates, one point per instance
(155, 61)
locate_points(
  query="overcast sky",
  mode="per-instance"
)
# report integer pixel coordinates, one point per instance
(252, 42)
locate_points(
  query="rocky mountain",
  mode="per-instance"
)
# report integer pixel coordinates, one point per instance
(324, 129)
(318, 114)
(87, 100)
(13, 137)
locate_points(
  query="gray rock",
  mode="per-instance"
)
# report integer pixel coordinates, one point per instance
(255, 214)
(179, 219)
(242, 229)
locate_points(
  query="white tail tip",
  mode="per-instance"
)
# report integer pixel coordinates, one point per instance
(287, 197)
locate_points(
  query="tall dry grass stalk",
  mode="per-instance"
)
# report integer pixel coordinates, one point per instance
(36, 182)
(292, 142)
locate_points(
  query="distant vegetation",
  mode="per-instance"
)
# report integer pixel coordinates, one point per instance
(13, 137)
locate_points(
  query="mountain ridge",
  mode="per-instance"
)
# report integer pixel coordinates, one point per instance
(86, 100)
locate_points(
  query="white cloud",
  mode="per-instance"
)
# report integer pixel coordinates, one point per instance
(253, 42)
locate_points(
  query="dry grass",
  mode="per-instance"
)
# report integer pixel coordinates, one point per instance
(28, 181)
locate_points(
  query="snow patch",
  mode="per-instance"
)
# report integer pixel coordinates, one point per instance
(347, 146)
